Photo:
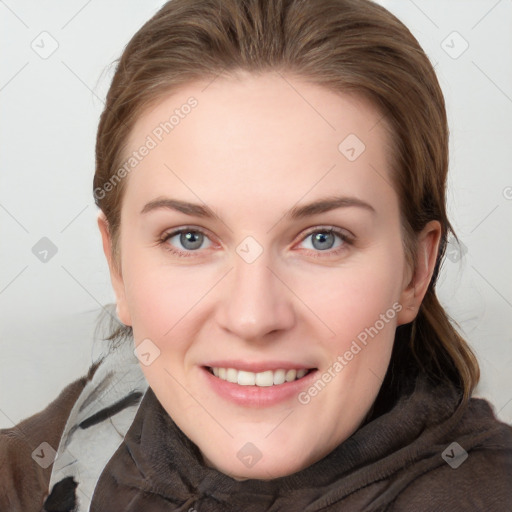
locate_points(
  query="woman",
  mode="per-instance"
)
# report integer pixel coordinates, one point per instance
(271, 183)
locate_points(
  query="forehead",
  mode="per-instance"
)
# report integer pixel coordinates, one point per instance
(254, 132)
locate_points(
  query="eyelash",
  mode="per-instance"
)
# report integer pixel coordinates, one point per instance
(346, 239)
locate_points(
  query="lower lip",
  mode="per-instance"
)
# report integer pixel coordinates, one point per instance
(257, 396)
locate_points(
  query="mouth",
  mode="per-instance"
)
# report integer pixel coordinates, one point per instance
(266, 378)
(263, 387)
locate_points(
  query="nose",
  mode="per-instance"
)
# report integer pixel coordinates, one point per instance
(256, 302)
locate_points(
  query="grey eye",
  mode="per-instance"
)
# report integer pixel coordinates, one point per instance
(323, 240)
(188, 239)
(191, 240)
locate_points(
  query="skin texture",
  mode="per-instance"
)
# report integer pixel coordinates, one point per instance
(254, 147)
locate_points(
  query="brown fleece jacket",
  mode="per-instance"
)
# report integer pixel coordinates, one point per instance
(401, 460)
(24, 483)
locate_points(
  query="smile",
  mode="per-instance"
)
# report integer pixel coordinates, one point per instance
(263, 387)
(262, 379)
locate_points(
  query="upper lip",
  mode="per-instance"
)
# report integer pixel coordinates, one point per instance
(257, 366)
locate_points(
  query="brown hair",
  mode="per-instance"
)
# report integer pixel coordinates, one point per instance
(349, 46)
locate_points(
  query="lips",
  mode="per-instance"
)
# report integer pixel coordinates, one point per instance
(263, 379)
(254, 384)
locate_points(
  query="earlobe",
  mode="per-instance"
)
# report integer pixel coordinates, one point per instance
(115, 273)
(426, 257)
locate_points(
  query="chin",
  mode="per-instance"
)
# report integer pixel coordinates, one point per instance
(250, 463)
(263, 471)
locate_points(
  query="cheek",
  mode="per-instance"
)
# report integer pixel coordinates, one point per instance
(162, 298)
(348, 300)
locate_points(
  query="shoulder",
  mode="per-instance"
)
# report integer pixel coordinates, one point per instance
(474, 472)
(23, 478)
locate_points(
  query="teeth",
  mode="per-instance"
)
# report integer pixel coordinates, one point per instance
(279, 376)
(231, 375)
(246, 378)
(290, 375)
(262, 379)
(301, 373)
(265, 378)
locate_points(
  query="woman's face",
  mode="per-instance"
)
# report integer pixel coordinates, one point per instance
(290, 261)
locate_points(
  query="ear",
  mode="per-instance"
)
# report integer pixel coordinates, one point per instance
(416, 287)
(115, 273)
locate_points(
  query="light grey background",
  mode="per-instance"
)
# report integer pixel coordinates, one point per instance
(49, 112)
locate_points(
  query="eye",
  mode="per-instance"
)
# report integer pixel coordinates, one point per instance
(325, 240)
(185, 240)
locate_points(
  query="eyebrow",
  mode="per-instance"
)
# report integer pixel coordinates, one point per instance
(297, 212)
